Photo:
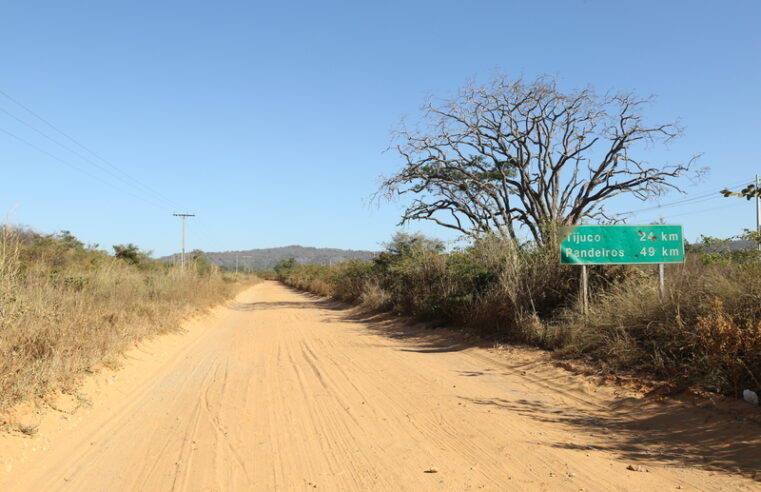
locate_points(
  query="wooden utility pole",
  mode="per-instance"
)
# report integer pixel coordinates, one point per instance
(184, 216)
(236, 261)
(249, 265)
(758, 211)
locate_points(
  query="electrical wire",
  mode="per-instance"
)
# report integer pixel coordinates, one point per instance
(107, 166)
(692, 200)
(81, 170)
(693, 212)
(69, 149)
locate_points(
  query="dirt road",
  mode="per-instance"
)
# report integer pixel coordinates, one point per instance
(284, 391)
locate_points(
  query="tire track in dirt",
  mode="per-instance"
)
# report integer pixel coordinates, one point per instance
(285, 391)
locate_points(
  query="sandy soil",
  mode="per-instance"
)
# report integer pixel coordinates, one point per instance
(285, 391)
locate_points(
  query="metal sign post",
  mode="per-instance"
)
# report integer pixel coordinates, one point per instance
(662, 280)
(584, 290)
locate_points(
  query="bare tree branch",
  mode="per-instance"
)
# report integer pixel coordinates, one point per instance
(514, 155)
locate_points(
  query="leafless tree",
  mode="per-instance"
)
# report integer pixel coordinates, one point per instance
(514, 156)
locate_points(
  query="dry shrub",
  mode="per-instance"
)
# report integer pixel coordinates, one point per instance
(373, 297)
(527, 287)
(348, 279)
(317, 286)
(732, 346)
(310, 278)
(60, 314)
(420, 286)
(624, 321)
(705, 331)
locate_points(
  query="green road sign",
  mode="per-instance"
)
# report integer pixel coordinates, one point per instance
(617, 244)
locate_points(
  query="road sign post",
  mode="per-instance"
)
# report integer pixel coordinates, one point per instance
(661, 281)
(584, 290)
(621, 245)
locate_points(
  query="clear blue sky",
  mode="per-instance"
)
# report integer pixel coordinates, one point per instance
(269, 121)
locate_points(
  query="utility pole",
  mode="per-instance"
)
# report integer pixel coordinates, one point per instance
(184, 216)
(758, 210)
(249, 265)
(236, 261)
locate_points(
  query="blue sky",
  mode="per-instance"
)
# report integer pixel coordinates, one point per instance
(269, 121)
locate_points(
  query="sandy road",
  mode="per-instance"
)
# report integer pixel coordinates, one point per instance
(283, 391)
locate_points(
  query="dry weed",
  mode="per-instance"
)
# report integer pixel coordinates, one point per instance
(64, 308)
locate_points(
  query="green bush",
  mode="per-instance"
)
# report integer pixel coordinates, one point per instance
(130, 253)
(284, 266)
(706, 331)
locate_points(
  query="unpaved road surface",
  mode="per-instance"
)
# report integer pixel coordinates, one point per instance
(285, 391)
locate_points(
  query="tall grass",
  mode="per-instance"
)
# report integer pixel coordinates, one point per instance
(706, 331)
(65, 308)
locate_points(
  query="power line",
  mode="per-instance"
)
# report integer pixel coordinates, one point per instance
(77, 168)
(692, 200)
(693, 212)
(169, 204)
(110, 169)
(698, 198)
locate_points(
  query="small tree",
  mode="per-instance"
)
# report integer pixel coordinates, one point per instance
(69, 240)
(283, 266)
(201, 262)
(404, 246)
(199, 256)
(517, 155)
(130, 253)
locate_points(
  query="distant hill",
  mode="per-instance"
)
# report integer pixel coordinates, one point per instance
(741, 244)
(266, 259)
(734, 245)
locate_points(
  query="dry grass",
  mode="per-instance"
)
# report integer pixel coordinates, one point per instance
(731, 345)
(706, 332)
(373, 297)
(64, 309)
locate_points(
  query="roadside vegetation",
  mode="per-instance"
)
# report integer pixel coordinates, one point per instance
(705, 332)
(66, 307)
(510, 163)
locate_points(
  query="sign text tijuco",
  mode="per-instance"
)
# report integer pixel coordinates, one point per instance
(620, 244)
